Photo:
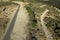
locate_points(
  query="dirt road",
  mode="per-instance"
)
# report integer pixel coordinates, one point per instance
(20, 27)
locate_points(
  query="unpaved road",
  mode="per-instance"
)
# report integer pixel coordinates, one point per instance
(47, 33)
(9, 31)
(20, 27)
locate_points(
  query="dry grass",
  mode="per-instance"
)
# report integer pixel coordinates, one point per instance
(5, 17)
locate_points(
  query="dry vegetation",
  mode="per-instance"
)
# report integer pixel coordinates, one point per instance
(51, 20)
(6, 14)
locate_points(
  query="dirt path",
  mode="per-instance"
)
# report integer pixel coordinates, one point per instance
(47, 33)
(20, 27)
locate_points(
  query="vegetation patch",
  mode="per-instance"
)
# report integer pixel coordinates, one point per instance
(54, 3)
(50, 22)
(2, 3)
(53, 24)
(33, 20)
